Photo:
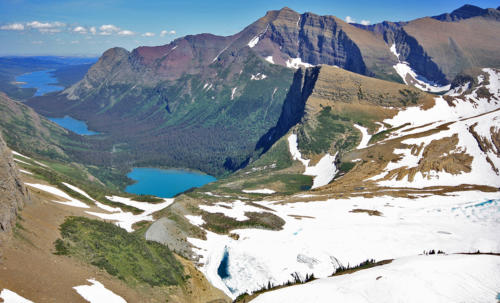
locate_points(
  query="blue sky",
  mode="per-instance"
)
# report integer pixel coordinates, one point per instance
(76, 27)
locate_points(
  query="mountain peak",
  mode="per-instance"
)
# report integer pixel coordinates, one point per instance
(464, 12)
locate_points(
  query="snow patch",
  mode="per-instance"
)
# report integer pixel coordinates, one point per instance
(97, 293)
(259, 76)
(259, 191)
(297, 63)
(195, 220)
(253, 42)
(70, 201)
(365, 137)
(26, 172)
(127, 219)
(9, 296)
(404, 69)
(236, 209)
(323, 172)
(232, 92)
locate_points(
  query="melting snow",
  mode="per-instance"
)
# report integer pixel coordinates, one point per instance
(323, 172)
(9, 296)
(97, 293)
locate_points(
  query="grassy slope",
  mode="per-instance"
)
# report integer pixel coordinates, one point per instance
(126, 255)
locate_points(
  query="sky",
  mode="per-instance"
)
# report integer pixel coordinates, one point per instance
(88, 28)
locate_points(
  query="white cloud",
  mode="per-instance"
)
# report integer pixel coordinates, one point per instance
(108, 29)
(349, 19)
(75, 42)
(80, 30)
(148, 34)
(365, 22)
(93, 30)
(37, 42)
(13, 27)
(165, 32)
(46, 27)
(126, 33)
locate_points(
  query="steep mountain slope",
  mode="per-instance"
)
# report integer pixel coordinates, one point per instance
(219, 95)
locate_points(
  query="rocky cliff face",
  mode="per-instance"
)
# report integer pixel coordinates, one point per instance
(13, 193)
(293, 107)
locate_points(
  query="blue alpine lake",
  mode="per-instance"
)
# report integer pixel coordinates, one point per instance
(165, 183)
(76, 126)
(43, 81)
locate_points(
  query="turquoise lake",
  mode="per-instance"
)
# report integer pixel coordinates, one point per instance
(76, 126)
(42, 80)
(165, 183)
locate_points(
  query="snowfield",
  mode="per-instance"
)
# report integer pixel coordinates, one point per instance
(327, 233)
(97, 293)
(436, 278)
(323, 172)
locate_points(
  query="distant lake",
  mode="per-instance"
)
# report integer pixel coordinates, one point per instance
(76, 126)
(41, 80)
(165, 183)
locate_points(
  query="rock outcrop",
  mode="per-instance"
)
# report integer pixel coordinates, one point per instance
(13, 193)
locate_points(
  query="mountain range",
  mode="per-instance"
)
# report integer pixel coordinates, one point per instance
(353, 162)
(220, 95)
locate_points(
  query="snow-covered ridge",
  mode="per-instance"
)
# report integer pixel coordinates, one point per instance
(404, 69)
(323, 172)
(467, 115)
(436, 278)
(98, 293)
